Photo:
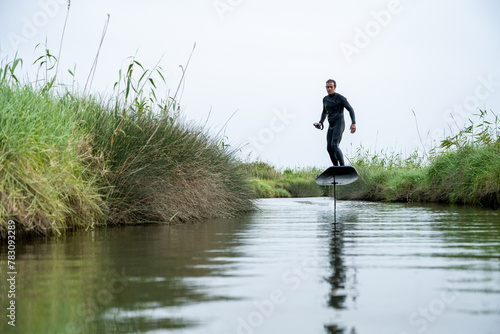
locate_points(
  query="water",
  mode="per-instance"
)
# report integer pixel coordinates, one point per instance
(290, 267)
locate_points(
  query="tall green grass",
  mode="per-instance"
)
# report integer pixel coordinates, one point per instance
(69, 161)
(163, 169)
(268, 181)
(464, 169)
(48, 174)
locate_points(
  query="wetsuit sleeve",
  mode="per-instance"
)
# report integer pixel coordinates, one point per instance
(323, 114)
(350, 109)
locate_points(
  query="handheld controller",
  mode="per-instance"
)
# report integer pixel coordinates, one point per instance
(318, 126)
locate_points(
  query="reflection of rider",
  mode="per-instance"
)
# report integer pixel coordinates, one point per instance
(342, 275)
(333, 106)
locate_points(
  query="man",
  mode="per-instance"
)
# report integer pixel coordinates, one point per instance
(333, 106)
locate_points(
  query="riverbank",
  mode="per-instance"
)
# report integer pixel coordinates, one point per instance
(266, 181)
(73, 162)
(464, 169)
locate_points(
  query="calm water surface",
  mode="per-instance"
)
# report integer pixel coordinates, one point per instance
(291, 267)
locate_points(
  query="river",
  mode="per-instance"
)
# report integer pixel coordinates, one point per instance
(289, 267)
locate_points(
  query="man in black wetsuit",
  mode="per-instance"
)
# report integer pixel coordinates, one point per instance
(333, 106)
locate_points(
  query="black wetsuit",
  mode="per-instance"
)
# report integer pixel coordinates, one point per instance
(333, 106)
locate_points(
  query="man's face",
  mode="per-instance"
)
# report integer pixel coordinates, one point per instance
(330, 88)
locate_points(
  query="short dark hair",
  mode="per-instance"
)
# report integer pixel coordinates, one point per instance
(333, 81)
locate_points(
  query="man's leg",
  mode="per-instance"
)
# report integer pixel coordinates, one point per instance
(329, 147)
(336, 137)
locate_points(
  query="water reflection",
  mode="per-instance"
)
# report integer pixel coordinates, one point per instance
(122, 280)
(167, 270)
(342, 278)
(378, 268)
(337, 280)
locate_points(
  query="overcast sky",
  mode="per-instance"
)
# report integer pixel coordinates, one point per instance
(269, 60)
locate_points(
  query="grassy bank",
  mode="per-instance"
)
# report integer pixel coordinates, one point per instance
(464, 169)
(68, 161)
(49, 177)
(73, 162)
(269, 182)
(162, 169)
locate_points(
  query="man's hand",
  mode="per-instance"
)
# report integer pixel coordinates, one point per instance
(353, 128)
(319, 126)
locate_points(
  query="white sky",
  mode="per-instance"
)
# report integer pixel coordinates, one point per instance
(270, 60)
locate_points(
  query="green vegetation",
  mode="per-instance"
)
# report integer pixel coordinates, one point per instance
(268, 182)
(68, 161)
(161, 169)
(48, 176)
(465, 169)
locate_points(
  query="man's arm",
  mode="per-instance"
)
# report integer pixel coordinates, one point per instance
(351, 113)
(323, 114)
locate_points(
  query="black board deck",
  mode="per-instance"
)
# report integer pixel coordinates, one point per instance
(339, 174)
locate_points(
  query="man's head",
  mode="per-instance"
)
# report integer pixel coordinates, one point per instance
(330, 86)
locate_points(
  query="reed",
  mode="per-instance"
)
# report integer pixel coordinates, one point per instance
(464, 169)
(69, 161)
(163, 169)
(267, 181)
(48, 175)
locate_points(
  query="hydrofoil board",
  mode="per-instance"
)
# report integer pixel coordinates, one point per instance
(337, 175)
